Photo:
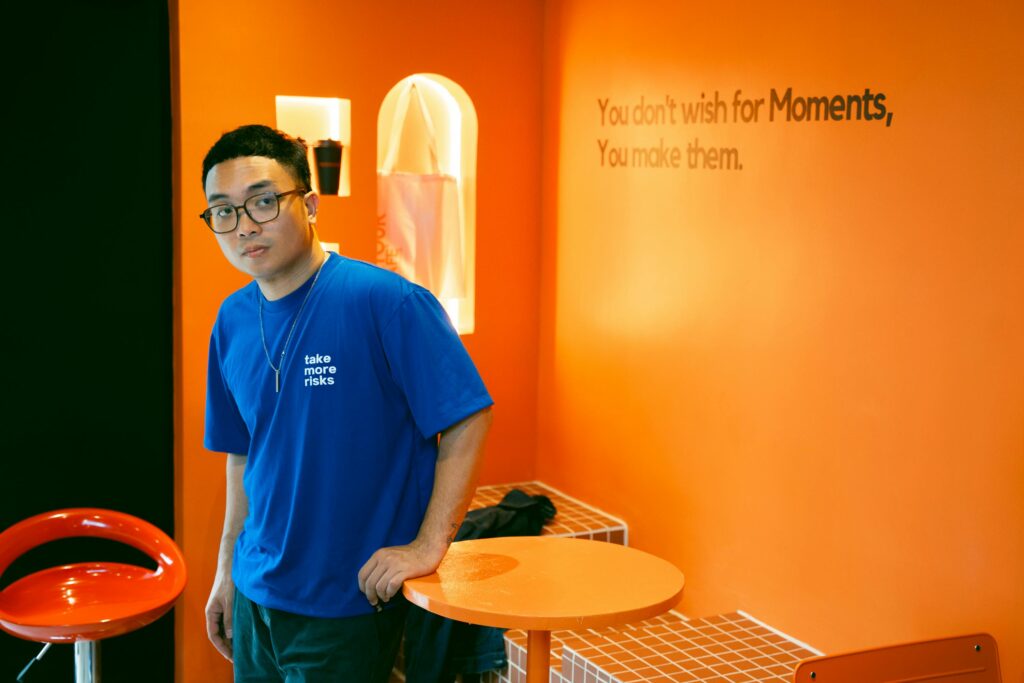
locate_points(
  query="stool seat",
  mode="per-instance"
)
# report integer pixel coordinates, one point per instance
(86, 601)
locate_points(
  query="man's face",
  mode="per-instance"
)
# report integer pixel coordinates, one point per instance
(265, 251)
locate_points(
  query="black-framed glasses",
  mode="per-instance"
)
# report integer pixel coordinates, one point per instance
(261, 208)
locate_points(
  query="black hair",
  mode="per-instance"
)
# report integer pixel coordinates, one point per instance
(256, 140)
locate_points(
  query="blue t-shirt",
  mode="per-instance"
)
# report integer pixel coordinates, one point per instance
(341, 460)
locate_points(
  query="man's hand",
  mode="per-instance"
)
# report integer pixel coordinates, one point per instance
(219, 610)
(382, 576)
(458, 459)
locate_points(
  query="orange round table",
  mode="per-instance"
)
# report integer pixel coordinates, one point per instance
(540, 584)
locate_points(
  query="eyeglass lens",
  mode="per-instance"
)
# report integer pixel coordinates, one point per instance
(261, 208)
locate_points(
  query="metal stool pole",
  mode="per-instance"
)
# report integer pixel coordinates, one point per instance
(87, 661)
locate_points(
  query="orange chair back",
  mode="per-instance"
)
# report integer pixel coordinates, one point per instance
(964, 659)
(94, 522)
(88, 600)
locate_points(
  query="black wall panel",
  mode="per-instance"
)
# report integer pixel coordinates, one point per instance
(86, 278)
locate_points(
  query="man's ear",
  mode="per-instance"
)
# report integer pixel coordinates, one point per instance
(312, 205)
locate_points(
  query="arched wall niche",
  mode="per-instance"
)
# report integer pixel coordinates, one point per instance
(417, 109)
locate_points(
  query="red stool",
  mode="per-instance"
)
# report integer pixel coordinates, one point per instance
(89, 601)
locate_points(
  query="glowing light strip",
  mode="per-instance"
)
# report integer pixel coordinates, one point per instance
(454, 118)
(329, 108)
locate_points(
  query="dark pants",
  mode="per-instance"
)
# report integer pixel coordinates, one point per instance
(271, 646)
(438, 649)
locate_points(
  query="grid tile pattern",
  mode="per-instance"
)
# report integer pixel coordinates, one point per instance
(725, 648)
(574, 518)
(515, 646)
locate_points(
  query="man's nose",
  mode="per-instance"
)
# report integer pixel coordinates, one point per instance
(247, 226)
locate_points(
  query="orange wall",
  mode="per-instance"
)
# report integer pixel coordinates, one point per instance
(233, 58)
(802, 382)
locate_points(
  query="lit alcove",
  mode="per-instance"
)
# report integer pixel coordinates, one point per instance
(319, 118)
(426, 190)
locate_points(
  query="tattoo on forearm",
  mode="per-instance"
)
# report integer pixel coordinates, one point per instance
(451, 533)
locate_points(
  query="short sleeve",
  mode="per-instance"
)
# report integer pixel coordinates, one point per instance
(226, 431)
(431, 365)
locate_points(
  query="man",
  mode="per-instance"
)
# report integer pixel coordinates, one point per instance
(353, 420)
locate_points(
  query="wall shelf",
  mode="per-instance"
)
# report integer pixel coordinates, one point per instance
(319, 118)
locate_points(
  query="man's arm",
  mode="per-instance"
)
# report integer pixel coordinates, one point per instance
(220, 606)
(458, 461)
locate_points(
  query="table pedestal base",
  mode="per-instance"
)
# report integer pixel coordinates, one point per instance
(538, 657)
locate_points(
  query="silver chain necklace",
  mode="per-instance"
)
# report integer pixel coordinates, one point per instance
(263, 338)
